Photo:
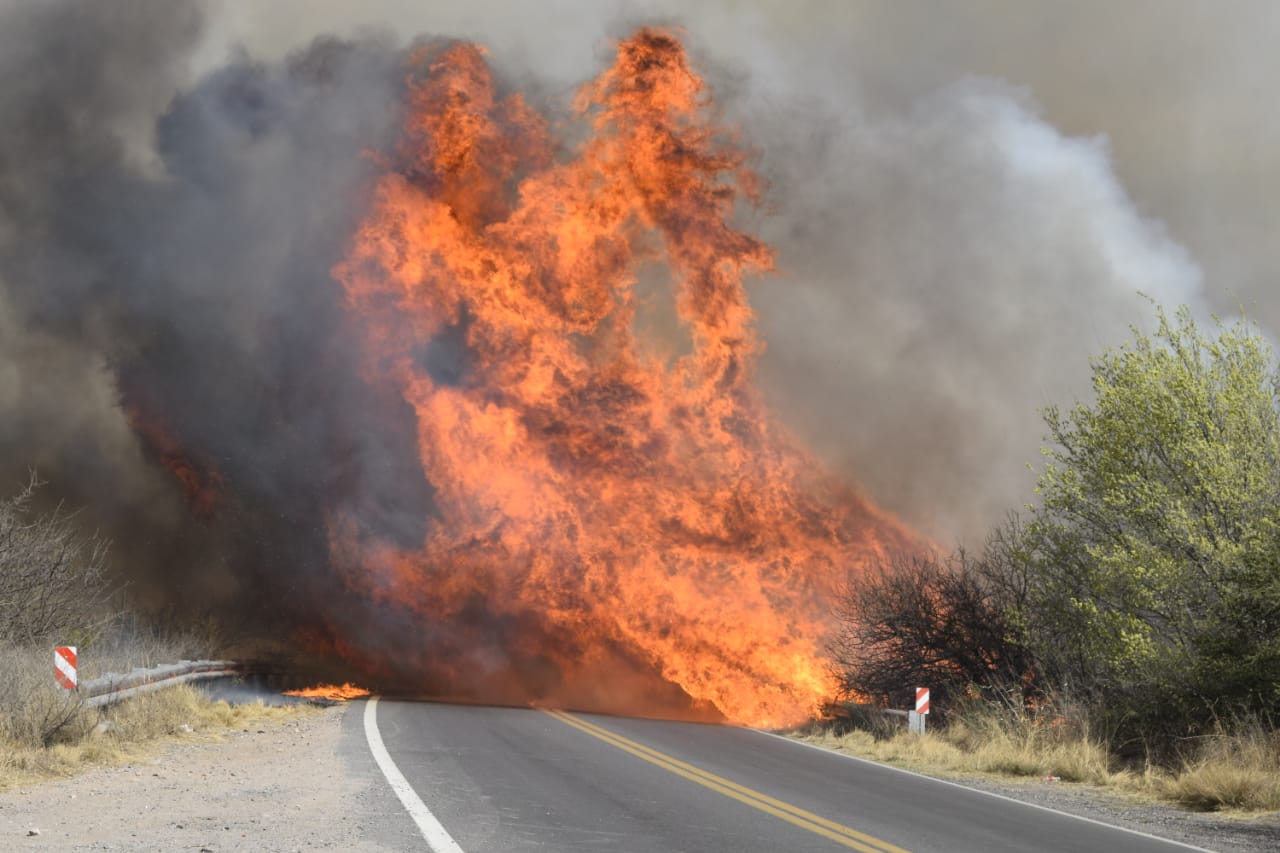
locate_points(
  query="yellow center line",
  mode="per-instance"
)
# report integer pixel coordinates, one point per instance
(837, 832)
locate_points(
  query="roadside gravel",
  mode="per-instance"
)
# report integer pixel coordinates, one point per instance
(286, 786)
(1210, 831)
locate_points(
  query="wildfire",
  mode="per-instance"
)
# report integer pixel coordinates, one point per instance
(601, 503)
(332, 692)
(202, 484)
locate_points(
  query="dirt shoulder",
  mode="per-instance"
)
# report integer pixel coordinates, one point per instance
(292, 785)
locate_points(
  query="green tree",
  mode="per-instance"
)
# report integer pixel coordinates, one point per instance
(1155, 543)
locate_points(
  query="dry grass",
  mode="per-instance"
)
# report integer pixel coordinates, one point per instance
(1236, 772)
(1239, 771)
(33, 711)
(46, 733)
(1000, 755)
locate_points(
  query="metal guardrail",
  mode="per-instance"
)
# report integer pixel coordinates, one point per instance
(114, 687)
(915, 719)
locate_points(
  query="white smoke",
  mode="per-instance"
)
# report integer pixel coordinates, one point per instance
(948, 271)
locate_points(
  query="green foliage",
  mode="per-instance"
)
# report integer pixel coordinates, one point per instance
(1154, 553)
(1144, 583)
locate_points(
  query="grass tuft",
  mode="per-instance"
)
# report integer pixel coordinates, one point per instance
(1240, 771)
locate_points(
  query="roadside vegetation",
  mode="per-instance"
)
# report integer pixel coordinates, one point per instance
(1124, 627)
(1234, 769)
(55, 589)
(122, 733)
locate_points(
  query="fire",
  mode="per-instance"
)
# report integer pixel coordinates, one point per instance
(202, 485)
(604, 501)
(332, 692)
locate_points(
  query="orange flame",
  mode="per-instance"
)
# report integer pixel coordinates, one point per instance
(332, 692)
(596, 500)
(202, 485)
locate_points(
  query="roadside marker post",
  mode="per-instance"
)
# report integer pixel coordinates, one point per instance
(64, 666)
(916, 718)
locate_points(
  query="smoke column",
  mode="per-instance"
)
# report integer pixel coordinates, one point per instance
(945, 179)
(171, 356)
(961, 216)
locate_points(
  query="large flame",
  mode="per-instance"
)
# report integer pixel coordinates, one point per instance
(598, 498)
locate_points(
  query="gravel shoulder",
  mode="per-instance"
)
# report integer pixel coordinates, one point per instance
(1210, 831)
(300, 784)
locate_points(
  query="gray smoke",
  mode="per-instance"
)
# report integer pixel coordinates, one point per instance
(165, 287)
(950, 270)
(966, 200)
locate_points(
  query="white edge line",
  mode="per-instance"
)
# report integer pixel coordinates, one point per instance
(984, 793)
(437, 838)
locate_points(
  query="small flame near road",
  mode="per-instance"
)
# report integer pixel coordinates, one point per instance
(332, 692)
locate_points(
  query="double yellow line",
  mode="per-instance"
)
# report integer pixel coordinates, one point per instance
(837, 832)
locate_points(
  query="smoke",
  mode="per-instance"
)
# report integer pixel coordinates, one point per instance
(167, 301)
(950, 270)
(966, 204)
(968, 201)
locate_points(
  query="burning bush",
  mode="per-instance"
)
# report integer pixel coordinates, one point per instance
(946, 622)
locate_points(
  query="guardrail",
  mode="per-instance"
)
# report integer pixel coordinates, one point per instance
(114, 687)
(915, 719)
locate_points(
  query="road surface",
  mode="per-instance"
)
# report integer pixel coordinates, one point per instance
(506, 779)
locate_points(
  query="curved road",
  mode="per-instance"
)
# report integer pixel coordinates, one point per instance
(508, 779)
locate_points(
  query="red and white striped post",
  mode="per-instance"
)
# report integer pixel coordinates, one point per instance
(916, 718)
(64, 666)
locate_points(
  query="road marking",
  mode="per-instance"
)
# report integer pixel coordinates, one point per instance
(862, 760)
(837, 832)
(437, 838)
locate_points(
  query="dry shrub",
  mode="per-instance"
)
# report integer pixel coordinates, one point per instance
(53, 574)
(34, 712)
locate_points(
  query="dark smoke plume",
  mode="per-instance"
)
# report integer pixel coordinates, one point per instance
(173, 357)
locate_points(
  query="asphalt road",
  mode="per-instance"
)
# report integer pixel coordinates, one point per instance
(504, 779)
